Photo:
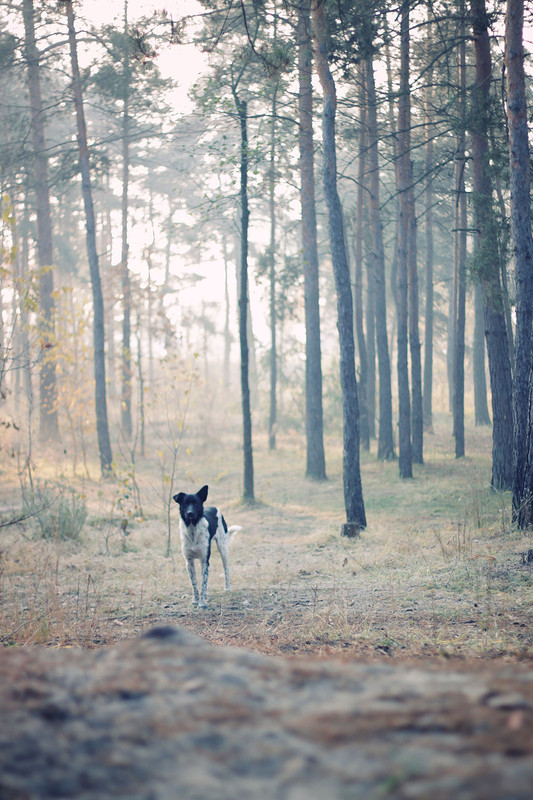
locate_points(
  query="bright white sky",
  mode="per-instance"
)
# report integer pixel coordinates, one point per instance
(182, 63)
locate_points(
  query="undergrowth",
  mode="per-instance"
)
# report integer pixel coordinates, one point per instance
(440, 572)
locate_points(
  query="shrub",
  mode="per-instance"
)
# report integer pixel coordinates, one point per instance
(56, 513)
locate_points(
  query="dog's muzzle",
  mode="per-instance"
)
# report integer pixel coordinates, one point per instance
(190, 516)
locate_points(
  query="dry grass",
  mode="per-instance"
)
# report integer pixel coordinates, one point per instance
(438, 572)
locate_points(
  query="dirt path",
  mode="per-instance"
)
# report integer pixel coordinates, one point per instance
(170, 716)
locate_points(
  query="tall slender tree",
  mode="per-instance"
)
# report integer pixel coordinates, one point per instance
(523, 256)
(385, 435)
(102, 428)
(427, 391)
(459, 272)
(488, 254)
(248, 468)
(358, 268)
(314, 425)
(48, 419)
(272, 425)
(127, 375)
(370, 339)
(404, 179)
(417, 415)
(353, 492)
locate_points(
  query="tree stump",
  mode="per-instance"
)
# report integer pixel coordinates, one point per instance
(351, 530)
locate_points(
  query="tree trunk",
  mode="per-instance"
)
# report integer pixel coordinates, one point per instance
(127, 375)
(385, 438)
(248, 465)
(140, 379)
(417, 414)
(358, 269)
(102, 428)
(450, 341)
(108, 294)
(272, 423)
(427, 393)
(48, 421)
(459, 288)
(403, 172)
(353, 492)
(481, 408)
(488, 258)
(314, 426)
(523, 257)
(370, 342)
(394, 146)
(410, 232)
(459, 273)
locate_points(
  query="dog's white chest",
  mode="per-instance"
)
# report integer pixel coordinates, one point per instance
(194, 539)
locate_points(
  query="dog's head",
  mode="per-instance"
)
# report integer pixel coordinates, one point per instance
(192, 505)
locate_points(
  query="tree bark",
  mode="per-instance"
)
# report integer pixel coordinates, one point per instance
(314, 425)
(48, 419)
(127, 375)
(248, 465)
(523, 256)
(358, 270)
(353, 493)
(427, 392)
(272, 422)
(385, 436)
(417, 415)
(102, 428)
(370, 341)
(403, 173)
(459, 305)
(488, 258)
(459, 274)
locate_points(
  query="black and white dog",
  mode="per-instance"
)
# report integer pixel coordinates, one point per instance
(199, 525)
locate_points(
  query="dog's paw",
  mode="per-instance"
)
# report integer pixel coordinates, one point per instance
(202, 604)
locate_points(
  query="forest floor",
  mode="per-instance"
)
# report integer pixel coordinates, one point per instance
(439, 573)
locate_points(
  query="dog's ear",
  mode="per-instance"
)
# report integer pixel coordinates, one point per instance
(178, 497)
(202, 494)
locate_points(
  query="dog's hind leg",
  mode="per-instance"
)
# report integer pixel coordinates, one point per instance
(223, 548)
(191, 569)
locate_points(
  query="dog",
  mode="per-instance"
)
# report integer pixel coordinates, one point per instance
(199, 525)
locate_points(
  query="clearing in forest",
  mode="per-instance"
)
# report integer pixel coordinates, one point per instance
(439, 572)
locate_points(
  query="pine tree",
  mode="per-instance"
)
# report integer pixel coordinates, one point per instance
(314, 425)
(488, 255)
(49, 425)
(353, 493)
(523, 256)
(102, 427)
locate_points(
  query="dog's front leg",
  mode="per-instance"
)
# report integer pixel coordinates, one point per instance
(192, 575)
(205, 578)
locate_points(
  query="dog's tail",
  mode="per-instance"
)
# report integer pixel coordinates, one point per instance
(233, 530)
